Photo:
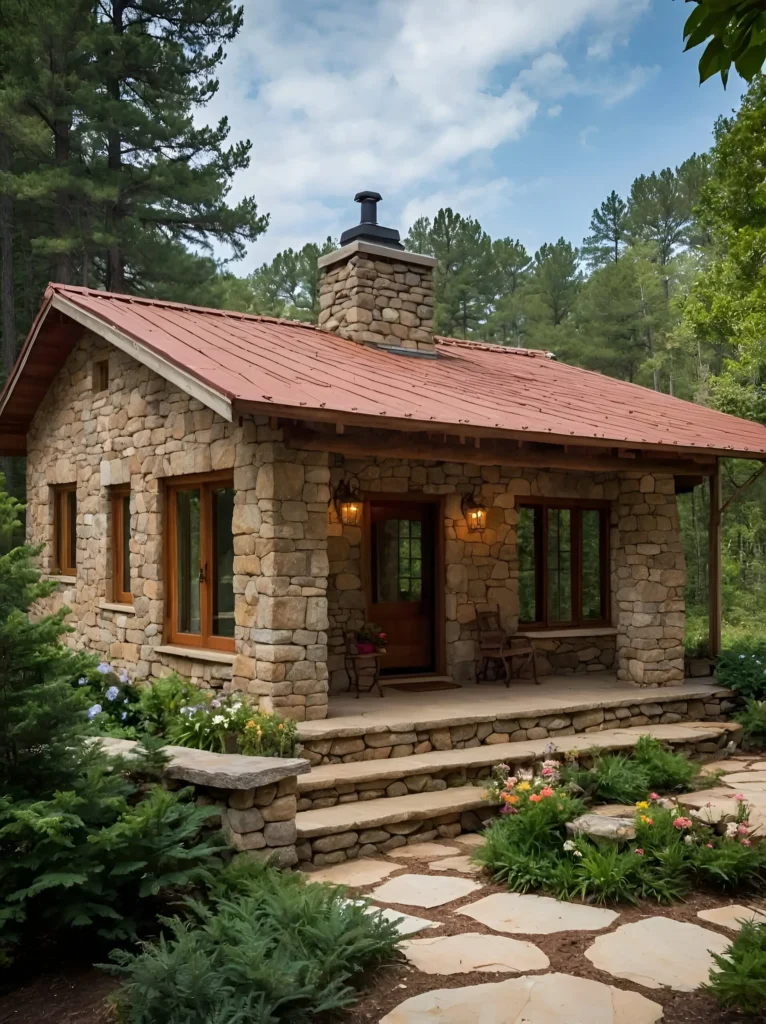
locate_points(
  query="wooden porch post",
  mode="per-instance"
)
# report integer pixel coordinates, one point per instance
(714, 561)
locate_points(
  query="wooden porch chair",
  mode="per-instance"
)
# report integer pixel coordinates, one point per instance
(498, 645)
(355, 661)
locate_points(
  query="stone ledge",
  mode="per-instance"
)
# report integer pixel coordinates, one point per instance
(221, 771)
(370, 248)
(387, 769)
(563, 634)
(197, 654)
(115, 606)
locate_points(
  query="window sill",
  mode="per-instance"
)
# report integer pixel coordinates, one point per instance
(114, 606)
(61, 579)
(562, 634)
(197, 654)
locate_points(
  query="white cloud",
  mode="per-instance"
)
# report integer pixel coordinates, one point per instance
(549, 76)
(395, 95)
(555, 110)
(586, 134)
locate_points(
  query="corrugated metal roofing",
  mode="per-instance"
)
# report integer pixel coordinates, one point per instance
(284, 366)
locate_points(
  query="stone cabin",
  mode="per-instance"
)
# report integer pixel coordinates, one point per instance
(232, 496)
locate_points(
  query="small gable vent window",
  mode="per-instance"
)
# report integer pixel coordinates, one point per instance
(100, 375)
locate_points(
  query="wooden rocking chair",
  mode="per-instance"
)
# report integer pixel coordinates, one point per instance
(496, 644)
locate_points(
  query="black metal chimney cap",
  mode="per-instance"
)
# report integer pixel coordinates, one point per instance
(368, 229)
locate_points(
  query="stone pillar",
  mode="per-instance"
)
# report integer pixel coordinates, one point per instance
(377, 295)
(648, 581)
(280, 527)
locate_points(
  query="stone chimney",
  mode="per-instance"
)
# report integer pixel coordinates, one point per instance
(373, 292)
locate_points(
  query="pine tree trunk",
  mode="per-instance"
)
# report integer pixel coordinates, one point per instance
(115, 267)
(7, 297)
(62, 264)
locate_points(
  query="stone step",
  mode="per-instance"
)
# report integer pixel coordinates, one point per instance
(337, 783)
(372, 814)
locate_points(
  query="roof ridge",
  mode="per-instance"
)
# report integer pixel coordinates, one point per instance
(490, 346)
(230, 314)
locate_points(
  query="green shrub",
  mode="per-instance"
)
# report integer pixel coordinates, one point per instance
(743, 669)
(738, 981)
(666, 771)
(266, 947)
(161, 703)
(753, 722)
(606, 875)
(215, 724)
(622, 779)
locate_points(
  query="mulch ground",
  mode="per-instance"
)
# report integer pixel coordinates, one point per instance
(77, 993)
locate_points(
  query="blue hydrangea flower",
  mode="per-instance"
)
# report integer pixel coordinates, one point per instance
(125, 701)
(103, 668)
(124, 676)
(82, 681)
(95, 710)
(124, 715)
(112, 693)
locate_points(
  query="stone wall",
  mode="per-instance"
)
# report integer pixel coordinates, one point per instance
(480, 568)
(144, 431)
(379, 299)
(649, 580)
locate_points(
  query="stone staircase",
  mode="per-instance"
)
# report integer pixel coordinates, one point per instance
(361, 807)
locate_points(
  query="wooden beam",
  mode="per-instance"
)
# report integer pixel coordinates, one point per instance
(13, 444)
(399, 445)
(714, 562)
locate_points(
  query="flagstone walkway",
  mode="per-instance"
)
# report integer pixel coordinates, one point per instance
(624, 966)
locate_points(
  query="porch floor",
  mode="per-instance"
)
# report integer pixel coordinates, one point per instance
(406, 710)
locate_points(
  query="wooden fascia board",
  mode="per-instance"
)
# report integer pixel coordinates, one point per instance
(468, 430)
(188, 383)
(22, 360)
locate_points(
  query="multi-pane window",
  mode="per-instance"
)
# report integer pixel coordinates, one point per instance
(200, 606)
(120, 502)
(65, 530)
(399, 560)
(563, 563)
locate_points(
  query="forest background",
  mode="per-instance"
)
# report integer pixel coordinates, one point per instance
(109, 179)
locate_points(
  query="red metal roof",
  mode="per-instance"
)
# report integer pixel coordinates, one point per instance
(296, 369)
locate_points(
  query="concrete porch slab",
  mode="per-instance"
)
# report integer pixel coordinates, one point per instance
(403, 712)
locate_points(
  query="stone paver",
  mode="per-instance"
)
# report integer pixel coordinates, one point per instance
(462, 863)
(657, 952)
(543, 999)
(365, 871)
(472, 951)
(423, 850)
(470, 839)
(535, 915)
(730, 917)
(407, 924)
(424, 890)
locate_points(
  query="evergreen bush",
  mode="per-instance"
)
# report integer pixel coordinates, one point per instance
(738, 980)
(743, 669)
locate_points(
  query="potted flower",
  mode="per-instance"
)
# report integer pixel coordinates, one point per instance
(371, 639)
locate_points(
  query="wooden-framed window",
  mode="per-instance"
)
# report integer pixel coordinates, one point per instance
(563, 563)
(200, 562)
(120, 508)
(100, 374)
(65, 529)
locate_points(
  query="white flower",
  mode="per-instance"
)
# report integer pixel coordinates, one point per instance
(569, 846)
(731, 829)
(218, 719)
(688, 840)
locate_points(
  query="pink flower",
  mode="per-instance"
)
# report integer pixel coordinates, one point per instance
(535, 798)
(743, 829)
(745, 842)
(709, 846)
(683, 823)
(510, 782)
(546, 791)
(638, 851)
(654, 796)
(739, 797)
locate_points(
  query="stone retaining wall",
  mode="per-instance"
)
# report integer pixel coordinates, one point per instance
(340, 846)
(374, 745)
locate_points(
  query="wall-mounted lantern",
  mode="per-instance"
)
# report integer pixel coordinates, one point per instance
(348, 503)
(474, 512)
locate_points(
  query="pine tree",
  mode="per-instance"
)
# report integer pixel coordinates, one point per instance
(552, 291)
(289, 285)
(609, 232)
(512, 266)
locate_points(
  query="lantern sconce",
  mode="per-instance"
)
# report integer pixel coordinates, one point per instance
(474, 512)
(348, 504)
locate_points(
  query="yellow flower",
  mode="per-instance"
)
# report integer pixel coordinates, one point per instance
(647, 821)
(281, 726)
(509, 798)
(524, 786)
(250, 724)
(643, 805)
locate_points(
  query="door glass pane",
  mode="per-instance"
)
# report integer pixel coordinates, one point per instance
(399, 563)
(223, 556)
(188, 553)
(591, 564)
(71, 498)
(126, 544)
(527, 564)
(559, 565)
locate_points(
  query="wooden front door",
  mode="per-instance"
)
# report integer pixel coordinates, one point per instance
(402, 576)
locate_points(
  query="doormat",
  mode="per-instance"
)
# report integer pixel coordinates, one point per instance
(422, 685)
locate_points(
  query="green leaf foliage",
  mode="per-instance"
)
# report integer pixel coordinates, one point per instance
(265, 947)
(738, 980)
(733, 31)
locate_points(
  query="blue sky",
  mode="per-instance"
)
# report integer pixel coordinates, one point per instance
(522, 113)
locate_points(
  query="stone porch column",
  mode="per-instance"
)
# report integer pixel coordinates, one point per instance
(648, 581)
(280, 527)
